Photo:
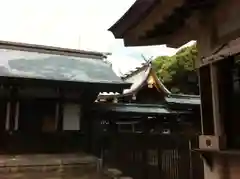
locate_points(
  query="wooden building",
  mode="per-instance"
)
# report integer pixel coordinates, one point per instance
(146, 88)
(147, 131)
(215, 25)
(45, 97)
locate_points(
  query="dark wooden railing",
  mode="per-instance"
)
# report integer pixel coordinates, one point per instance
(152, 156)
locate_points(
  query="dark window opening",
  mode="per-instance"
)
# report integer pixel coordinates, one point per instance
(37, 116)
(125, 127)
(152, 157)
(138, 127)
(3, 108)
(229, 98)
(138, 157)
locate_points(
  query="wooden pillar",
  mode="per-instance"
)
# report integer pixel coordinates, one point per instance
(8, 111)
(60, 111)
(12, 111)
(16, 118)
(113, 134)
(57, 112)
(216, 169)
(145, 149)
(206, 101)
(85, 122)
(88, 128)
(3, 110)
(217, 122)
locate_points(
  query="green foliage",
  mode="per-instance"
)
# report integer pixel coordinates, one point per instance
(177, 72)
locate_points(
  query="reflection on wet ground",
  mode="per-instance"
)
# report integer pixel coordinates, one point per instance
(67, 166)
(48, 175)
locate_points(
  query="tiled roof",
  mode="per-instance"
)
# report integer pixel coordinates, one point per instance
(41, 62)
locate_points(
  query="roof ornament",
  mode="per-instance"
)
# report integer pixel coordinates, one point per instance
(121, 74)
(134, 97)
(148, 61)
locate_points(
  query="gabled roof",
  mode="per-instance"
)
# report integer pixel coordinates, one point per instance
(138, 79)
(38, 62)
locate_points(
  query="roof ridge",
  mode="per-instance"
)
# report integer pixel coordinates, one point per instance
(136, 70)
(50, 49)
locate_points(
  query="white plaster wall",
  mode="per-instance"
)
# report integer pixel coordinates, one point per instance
(71, 117)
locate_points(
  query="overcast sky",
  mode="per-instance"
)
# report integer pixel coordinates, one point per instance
(80, 24)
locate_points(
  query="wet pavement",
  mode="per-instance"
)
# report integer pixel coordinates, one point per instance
(46, 160)
(67, 166)
(48, 175)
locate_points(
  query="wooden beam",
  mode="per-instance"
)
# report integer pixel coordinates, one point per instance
(162, 10)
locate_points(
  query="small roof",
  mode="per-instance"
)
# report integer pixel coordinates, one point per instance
(231, 48)
(151, 109)
(50, 63)
(183, 99)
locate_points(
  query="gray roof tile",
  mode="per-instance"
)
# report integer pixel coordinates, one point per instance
(37, 65)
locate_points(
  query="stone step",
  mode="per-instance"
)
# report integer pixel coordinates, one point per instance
(114, 173)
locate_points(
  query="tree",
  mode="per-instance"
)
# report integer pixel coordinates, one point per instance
(177, 72)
